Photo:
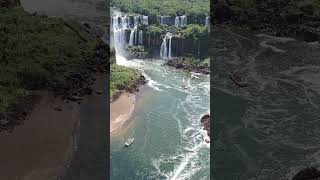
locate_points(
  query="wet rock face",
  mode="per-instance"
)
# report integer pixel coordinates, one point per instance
(205, 121)
(310, 173)
(9, 3)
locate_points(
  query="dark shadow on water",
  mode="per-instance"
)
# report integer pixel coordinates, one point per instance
(228, 110)
(91, 157)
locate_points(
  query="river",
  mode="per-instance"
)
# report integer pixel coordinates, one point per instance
(269, 130)
(169, 139)
(166, 125)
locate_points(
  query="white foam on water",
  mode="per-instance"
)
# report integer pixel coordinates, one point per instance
(269, 38)
(156, 164)
(186, 158)
(151, 83)
(280, 39)
(122, 61)
(178, 171)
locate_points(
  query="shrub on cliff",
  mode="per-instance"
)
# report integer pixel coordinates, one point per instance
(196, 32)
(155, 30)
(137, 52)
(122, 78)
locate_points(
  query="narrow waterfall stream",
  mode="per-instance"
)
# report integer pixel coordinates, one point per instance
(166, 46)
(180, 21)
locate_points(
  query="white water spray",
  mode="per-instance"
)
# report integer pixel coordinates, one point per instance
(207, 21)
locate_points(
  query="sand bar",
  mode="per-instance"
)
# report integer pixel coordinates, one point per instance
(120, 111)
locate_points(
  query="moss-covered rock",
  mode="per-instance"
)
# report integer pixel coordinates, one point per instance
(124, 78)
(137, 52)
(191, 64)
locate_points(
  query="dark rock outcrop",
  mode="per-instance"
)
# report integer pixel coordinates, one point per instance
(309, 173)
(189, 64)
(78, 82)
(205, 121)
(138, 52)
(135, 87)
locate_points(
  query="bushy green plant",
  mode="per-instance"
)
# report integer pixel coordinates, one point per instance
(155, 30)
(121, 78)
(196, 32)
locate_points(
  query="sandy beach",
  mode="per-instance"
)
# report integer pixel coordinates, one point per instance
(120, 111)
(40, 147)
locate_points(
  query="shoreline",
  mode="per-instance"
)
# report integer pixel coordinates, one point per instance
(121, 111)
(39, 134)
(48, 140)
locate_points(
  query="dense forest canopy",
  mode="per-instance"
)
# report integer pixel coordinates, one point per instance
(164, 7)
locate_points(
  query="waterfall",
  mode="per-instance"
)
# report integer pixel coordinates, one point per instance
(125, 31)
(161, 20)
(132, 35)
(164, 20)
(180, 21)
(136, 21)
(177, 21)
(183, 20)
(145, 20)
(165, 51)
(120, 40)
(140, 37)
(207, 21)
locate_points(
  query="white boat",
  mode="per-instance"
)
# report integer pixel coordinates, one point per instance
(129, 142)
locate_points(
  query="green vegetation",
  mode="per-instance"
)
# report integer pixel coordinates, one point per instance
(195, 62)
(191, 64)
(38, 53)
(156, 30)
(122, 78)
(164, 7)
(196, 32)
(206, 62)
